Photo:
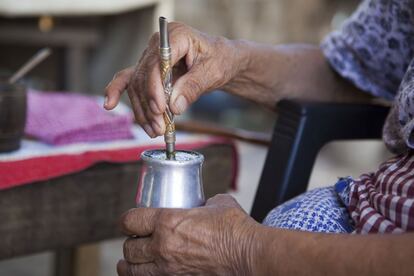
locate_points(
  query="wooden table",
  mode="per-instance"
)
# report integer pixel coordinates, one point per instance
(63, 213)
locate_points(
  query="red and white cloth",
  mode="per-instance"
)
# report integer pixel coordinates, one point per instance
(383, 201)
(37, 161)
(74, 132)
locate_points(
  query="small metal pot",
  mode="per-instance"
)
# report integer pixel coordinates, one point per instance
(171, 183)
(12, 115)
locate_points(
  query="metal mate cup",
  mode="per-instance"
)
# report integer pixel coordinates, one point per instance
(168, 183)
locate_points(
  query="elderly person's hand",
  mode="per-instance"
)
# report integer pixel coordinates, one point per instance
(262, 73)
(201, 63)
(216, 239)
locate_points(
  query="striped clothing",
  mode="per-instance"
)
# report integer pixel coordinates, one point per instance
(383, 202)
(379, 202)
(374, 50)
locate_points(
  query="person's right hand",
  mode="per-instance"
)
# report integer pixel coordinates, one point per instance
(201, 63)
(216, 239)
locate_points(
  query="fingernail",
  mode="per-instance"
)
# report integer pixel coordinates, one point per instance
(154, 107)
(181, 104)
(106, 101)
(148, 130)
(157, 127)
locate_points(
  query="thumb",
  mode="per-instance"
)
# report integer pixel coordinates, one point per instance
(187, 89)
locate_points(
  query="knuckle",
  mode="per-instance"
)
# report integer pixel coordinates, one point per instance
(152, 56)
(149, 55)
(131, 91)
(117, 75)
(169, 218)
(224, 196)
(154, 40)
(124, 71)
(233, 212)
(174, 26)
(127, 249)
(141, 58)
(140, 75)
(127, 219)
(120, 73)
(166, 216)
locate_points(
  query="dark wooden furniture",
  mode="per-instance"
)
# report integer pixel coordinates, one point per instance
(88, 40)
(63, 213)
(301, 130)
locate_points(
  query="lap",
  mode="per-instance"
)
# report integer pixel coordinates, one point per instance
(318, 210)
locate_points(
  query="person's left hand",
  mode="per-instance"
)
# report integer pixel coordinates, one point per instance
(216, 239)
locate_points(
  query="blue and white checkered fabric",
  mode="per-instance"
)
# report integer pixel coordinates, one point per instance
(319, 210)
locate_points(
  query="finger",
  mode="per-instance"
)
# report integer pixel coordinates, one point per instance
(139, 113)
(139, 221)
(158, 125)
(143, 106)
(155, 90)
(138, 250)
(224, 200)
(116, 87)
(180, 45)
(126, 269)
(180, 40)
(154, 99)
(153, 124)
(187, 89)
(153, 87)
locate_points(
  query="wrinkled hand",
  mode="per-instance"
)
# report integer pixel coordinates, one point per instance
(212, 240)
(201, 63)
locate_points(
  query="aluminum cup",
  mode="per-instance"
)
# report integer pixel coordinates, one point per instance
(171, 183)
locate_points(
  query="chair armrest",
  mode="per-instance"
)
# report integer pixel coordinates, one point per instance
(200, 127)
(301, 130)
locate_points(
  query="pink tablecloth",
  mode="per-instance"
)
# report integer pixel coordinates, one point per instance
(61, 118)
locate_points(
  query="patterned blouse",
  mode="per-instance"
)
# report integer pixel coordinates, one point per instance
(375, 51)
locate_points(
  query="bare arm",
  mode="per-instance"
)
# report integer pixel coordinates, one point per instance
(283, 252)
(294, 71)
(262, 73)
(221, 239)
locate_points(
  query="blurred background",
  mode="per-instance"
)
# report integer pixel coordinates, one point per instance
(92, 40)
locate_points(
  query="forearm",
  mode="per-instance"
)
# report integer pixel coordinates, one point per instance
(284, 252)
(269, 73)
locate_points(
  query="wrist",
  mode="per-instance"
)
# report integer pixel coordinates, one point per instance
(246, 257)
(270, 254)
(239, 56)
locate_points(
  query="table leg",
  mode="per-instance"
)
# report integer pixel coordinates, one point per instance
(64, 262)
(80, 261)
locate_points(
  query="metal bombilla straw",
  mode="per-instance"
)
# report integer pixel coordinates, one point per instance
(166, 76)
